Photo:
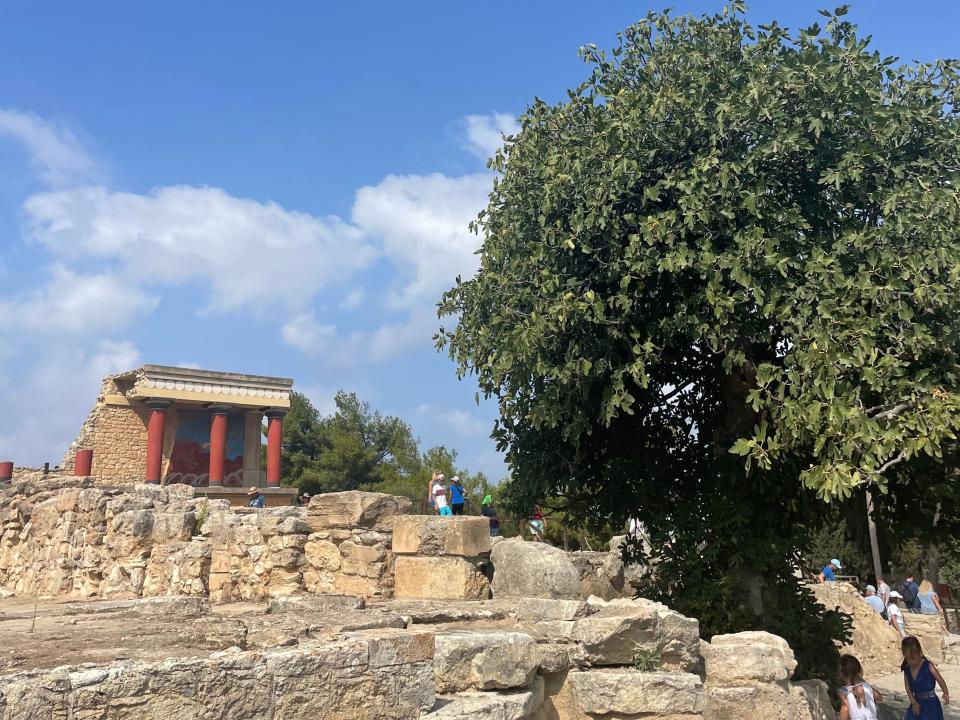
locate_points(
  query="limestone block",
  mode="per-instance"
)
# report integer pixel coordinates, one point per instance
(484, 661)
(747, 658)
(630, 692)
(545, 609)
(440, 578)
(817, 697)
(350, 550)
(306, 604)
(462, 535)
(678, 640)
(513, 705)
(529, 569)
(927, 629)
(776, 702)
(356, 509)
(613, 634)
(388, 648)
(356, 585)
(173, 527)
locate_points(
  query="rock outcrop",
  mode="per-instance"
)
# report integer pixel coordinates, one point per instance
(530, 569)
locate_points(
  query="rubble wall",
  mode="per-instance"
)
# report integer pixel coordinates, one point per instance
(71, 537)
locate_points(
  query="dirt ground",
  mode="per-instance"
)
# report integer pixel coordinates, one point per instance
(895, 698)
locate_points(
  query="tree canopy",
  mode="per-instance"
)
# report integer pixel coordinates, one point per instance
(718, 286)
(358, 448)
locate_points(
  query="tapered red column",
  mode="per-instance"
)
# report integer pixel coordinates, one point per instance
(83, 462)
(218, 444)
(274, 440)
(157, 416)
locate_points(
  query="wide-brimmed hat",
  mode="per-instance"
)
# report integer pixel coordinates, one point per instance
(253, 491)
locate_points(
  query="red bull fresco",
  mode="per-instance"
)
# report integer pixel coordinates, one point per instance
(190, 459)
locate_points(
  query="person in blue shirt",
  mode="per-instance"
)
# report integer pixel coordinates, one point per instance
(874, 601)
(457, 494)
(257, 500)
(830, 571)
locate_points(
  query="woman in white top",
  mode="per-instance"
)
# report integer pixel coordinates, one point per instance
(858, 699)
(440, 497)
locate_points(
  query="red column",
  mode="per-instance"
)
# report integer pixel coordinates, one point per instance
(218, 444)
(6, 471)
(157, 415)
(83, 463)
(274, 439)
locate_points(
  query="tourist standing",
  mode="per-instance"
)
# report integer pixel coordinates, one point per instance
(829, 572)
(487, 510)
(537, 524)
(883, 590)
(456, 495)
(431, 505)
(440, 497)
(908, 591)
(858, 699)
(920, 679)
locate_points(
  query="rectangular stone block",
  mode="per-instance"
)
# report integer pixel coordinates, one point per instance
(439, 578)
(356, 509)
(461, 535)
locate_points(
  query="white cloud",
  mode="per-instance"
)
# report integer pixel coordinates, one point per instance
(71, 304)
(352, 300)
(464, 423)
(421, 224)
(322, 399)
(309, 336)
(44, 408)
(56, 154)
(249, 254)
(485, 132)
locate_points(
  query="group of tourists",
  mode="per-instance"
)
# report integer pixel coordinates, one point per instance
(859, 699)
(444, 500)
(909, 597)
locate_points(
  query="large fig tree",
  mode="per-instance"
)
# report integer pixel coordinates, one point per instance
(720, 288)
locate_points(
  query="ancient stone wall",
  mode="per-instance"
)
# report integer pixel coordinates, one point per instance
(361, 676)
(76, 538)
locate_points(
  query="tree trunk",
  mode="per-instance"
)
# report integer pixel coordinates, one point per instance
(874, 545)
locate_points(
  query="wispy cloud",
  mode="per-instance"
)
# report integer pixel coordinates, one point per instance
(58, 157)
(484, 134)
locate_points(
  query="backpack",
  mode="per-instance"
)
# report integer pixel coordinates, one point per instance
(908, 594)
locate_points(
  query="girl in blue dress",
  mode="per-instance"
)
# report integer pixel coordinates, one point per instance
(920, 678)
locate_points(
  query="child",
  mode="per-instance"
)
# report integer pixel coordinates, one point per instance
(858, 699)
(440, 496)
(920, 678)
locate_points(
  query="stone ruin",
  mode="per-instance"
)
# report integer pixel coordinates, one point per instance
(157, 603)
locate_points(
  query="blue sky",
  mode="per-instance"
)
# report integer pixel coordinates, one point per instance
(236, 187)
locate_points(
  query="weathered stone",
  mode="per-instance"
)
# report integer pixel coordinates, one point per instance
(438, 535)
(530, 569)
(770, 701)
(353, 509)
(515, 705)
(747, 658)
(545, 609)
(484, 661)
(322, 555)
(630, 692)
(443, 578)
(614, 634)
(314, 604)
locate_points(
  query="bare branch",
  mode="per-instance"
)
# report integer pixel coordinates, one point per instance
(891, 412)
(890, 463)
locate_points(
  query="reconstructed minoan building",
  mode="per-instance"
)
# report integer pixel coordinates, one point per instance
(179, 425)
